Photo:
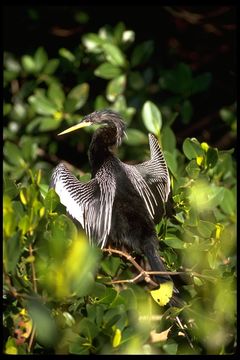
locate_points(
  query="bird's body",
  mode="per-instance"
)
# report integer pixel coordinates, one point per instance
(121, 204)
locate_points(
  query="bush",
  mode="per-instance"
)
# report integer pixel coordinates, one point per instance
(58, 291)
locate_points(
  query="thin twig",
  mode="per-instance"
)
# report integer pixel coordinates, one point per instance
(146, 274)
(34, 279)
(137, 266)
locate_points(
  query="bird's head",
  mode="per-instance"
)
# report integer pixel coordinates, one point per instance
(109, 118)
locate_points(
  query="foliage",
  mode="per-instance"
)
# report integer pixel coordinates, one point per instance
(58, 295)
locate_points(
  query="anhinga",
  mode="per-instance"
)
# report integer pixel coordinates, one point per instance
(121, 204)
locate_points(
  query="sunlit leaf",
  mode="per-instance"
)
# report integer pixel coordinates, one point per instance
(114, 55)
(116, 87)
(40, 58)
(107, 71)
(92, 41)
(67, 54)
(56, 94)
(42, 104)
(192, 148)
(163, 295)
(152, 117)
(173, 242)
(28, 64)
(51, 200)
(79, 94)
(117, 338)
(10, 188)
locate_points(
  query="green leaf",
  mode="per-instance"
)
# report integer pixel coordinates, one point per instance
(186, 111)
(171, 162)
(80, 94)
(70, 105)
(78, 347)
(212, 259)
(193, 169)
(13, 154)
(42, 104)
(170, 348)
(107, 71)
(56, 94)
(13, 252)
(130, 298)
(173, 241)
(11, 347)
(205, 228)
(192, 148)
(215, 195)
(201, 83)
(10, 188)
(211, 157)
(40, 58)
(108, 297)
(100, 103)
(48, 123)
(135, 137)
(229, 202)
(29, 148)
(46, 329)
(142, 53)
(51, 66)
(88, 329)
(28, 64)
(152, 117)
(114, 55)
(65, 53)
(92, 42)
(51, 200)
(197, 281)
(24, 224)
(6, 109)
(115, 87)
(135, 80)
(178, 80)
(118, 31)
(168, 139)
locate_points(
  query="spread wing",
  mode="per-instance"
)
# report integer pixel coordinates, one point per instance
(151, 179)
(90, 203)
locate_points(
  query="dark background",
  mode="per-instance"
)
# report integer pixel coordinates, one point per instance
(204, 37)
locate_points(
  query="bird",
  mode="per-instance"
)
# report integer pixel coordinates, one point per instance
(121, 203)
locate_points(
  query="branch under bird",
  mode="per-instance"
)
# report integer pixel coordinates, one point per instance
(121, 203)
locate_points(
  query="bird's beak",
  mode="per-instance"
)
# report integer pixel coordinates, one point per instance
(76, 127)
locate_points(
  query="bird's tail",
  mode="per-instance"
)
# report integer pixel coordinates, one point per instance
(156, 264)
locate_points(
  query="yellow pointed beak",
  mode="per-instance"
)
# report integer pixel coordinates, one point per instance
(76, 127)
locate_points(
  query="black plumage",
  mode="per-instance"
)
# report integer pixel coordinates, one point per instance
(121, 204)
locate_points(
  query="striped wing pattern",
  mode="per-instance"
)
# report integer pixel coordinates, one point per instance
(90, 203)
(155, 180)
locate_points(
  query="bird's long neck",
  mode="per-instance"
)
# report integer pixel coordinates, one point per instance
(100, 147)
